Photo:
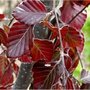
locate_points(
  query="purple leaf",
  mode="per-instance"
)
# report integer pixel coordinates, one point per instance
(69, 10)
(19, 39)
(30, 11)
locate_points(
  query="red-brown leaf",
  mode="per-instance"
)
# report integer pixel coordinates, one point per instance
(82, 2)
(6, 76)
(45, 76)
(40, 73)
(25, 58)
(20, 39)
(85, 86)
(69, 10)
(69, 84)
(72, 38)
(6, 29)
(30, 11)
(2, 16)
(68, 62)
(15, 68)
(3, 37)
(74, 65)
(42, 50)
(72, 60)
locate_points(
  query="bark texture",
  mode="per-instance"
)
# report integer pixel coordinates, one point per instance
(24, 77)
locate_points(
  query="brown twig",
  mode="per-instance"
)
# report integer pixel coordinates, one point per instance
(11, 21)
(61, 44)
(80, 59)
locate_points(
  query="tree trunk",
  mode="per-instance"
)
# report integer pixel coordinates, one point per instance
(24, 77)
(48, 3)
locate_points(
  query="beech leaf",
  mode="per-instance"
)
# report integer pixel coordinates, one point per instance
(69, 84)
(42, 50)
(84, 2)
(6, 29)
(45, 76)
(40, 73)
(19, 39)
(72, 60)
(6, 76)
(72, 38)
(25, 58)
(30, 11)
(69, 10)
(3, 37)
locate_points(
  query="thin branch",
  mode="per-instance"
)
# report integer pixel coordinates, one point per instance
(61, 45)
(11, 21)
(80, 59)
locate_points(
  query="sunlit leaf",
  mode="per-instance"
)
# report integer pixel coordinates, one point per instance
(6, 76)
(72, 38)
(42, 50)
(3, 37)
(15, 68)
(6, 29)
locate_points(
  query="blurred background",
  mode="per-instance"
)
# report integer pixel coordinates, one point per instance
(6, 7)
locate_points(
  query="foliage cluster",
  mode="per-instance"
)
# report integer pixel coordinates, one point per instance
(47, 43)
